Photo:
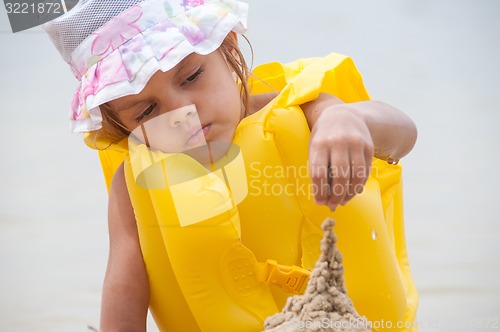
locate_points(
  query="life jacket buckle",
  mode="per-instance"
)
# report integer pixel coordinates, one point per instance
(292, 279)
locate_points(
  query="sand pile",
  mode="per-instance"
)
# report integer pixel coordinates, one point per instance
(324, 305)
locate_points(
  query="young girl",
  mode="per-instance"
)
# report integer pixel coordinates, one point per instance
(140, 61)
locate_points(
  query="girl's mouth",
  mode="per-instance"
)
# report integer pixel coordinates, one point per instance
(198, 137)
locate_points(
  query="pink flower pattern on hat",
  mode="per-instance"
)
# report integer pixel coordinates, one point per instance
(110, 70)
(89, 88)
(188, 4)
(77, 103)
(192, 33)
(111, 36)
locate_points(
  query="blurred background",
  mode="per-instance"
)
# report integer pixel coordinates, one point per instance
(437, 60)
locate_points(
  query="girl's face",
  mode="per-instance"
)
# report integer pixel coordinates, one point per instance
(201, 80)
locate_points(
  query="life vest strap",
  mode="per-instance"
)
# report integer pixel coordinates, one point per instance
(292, 279)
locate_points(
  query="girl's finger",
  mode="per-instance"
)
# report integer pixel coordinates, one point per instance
(368, 160)
(358, 175)
(340, 176)
(318, 169)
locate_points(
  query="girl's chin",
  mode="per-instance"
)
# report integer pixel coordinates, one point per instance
(226, 136)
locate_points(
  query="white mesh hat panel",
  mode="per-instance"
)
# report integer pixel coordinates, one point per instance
(70, 29)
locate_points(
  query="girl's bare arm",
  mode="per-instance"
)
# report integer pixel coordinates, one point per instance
(125, 296)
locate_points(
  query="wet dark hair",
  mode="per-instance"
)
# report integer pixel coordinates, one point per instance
(113, 131)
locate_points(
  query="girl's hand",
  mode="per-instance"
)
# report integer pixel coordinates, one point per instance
(345, 138)
(340, 155)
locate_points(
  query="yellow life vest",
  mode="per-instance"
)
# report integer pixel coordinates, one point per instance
(230, 269)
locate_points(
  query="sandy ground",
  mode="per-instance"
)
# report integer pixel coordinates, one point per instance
(435, 59)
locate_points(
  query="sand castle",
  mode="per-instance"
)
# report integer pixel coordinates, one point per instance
(325, 305)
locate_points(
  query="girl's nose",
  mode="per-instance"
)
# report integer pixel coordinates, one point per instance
(181, 115)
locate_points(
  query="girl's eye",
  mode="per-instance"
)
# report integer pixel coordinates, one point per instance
(146, 113)
(193, 77)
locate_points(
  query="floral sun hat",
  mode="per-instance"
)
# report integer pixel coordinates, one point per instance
(114, 47)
